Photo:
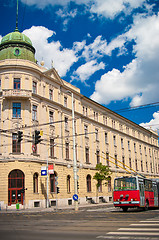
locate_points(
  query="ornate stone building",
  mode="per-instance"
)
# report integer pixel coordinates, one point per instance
(32, 99)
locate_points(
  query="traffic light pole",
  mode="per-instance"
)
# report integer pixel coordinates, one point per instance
(74, 155)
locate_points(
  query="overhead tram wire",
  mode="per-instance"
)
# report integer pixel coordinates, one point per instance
(149, 105)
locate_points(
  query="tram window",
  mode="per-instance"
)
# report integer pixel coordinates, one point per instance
(148, 185)
(125, 184)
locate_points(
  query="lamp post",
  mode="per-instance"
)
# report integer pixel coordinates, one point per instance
(74, 153)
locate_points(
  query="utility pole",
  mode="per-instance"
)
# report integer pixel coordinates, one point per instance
(74, 154)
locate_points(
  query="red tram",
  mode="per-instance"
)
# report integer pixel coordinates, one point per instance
(135, 191)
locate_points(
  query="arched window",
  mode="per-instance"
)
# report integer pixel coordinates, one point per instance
(109, 185)
(68, 184)
(88, 183)
(35, 183)
(15, 186)
(52, 182)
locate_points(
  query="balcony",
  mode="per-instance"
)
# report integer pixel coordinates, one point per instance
(17, 93)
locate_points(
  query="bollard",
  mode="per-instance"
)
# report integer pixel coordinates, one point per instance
(17, 206)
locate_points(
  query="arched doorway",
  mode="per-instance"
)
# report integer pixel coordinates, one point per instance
(15, 187)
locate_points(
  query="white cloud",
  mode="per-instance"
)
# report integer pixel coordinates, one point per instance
(139, 79)
(96, 49)
(154, 123)
(63, 58)
(106, 8)
(84, 72)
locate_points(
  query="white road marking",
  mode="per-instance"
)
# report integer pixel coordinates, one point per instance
(131, 233)
(139, 229)
(144, 224)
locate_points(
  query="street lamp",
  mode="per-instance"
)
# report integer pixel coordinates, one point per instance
(74, 153)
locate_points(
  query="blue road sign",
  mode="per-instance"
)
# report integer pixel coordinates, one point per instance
(75, 197)
(43, 172)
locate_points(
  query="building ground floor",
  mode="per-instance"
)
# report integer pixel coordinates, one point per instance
(22, 183)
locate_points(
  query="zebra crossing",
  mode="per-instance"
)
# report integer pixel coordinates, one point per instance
(144, 230)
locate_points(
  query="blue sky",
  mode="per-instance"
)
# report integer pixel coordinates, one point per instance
(107, 48)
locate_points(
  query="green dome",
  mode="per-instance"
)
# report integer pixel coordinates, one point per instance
(16, 45)
(16, 37)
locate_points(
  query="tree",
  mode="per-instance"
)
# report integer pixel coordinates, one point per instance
(103, 174)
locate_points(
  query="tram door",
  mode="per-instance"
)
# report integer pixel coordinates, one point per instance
(142, 194)
(15, 185)
(154, 186)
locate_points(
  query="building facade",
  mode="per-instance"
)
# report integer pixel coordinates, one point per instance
(33, 98)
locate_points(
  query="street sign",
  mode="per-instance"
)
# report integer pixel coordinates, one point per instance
(51, 169)
(75, 197)
(43, 171)
(34, 148)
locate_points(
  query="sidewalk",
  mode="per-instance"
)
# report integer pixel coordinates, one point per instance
(59, 209)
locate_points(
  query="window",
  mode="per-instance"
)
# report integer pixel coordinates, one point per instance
(88, 183)
(104, 120)
(114, 140)
(134, 147)
(96, 116)
(123, 161)
(52, 148)
(113, 123)
(98, 157)
(16, 83)
(136, 164)
(16, 110)
(16, 146)
(109, 185)
(107, 158)
(96, 134)
(106, 138)
(87, 154)
(35, 183)
(67, 150)
(116, 161)
(145, 151)
(141, 166)
(52, 183)
(147, 166)
(34, 87)
(128, 145)
(66, 123)
(34, 113)
(65, 101)
(68, 184)
(86, 130)
(130, 165)
(122, 145)
(51, 117)
(50, 94)
(140, 148)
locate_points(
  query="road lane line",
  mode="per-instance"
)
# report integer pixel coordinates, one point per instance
(139, 229)
(144, 224)
(136, 233)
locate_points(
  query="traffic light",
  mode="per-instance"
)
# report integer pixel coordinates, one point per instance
(77, 185)
(37, 137)
(58, 190)
(20, 136)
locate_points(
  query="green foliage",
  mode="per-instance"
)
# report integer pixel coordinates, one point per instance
(103, 174)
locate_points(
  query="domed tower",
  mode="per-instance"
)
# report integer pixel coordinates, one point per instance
(16, 45)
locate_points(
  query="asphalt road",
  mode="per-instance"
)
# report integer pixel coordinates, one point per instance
(86, 224)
